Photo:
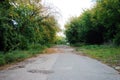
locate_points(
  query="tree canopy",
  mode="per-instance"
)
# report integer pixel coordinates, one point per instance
(23, 22)
(98, 25)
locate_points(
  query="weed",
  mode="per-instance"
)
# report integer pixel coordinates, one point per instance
(107, 54)
(19, 55)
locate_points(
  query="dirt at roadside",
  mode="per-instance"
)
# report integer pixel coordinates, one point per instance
(58, 49)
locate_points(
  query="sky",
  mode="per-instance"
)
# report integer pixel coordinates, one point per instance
(68, 8)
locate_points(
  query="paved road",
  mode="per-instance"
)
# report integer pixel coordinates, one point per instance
(62, 65)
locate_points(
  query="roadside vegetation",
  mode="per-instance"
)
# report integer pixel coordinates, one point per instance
(26, 28)
(20, 55)
(98, 25)
(104, 53)
(60, 40)
(98, 31)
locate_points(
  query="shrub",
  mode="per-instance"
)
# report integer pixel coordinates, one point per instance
(117, 39)
(2, 60)
(10, 57)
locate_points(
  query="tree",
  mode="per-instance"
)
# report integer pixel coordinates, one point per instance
(97, 25)
(25, 22)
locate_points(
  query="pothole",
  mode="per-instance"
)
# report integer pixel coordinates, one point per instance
(16, 67)
(41, 71)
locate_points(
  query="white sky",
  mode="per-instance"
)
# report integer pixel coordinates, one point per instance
(69, 8)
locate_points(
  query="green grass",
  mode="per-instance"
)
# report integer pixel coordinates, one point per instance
(107, 54)
(19, 55)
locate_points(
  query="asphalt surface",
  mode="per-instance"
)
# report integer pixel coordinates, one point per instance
(62, 65)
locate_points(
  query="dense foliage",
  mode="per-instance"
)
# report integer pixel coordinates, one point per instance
(24, 22)
(60, 40)
(100, 24)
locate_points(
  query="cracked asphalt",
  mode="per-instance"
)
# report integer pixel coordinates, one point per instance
(61, 65)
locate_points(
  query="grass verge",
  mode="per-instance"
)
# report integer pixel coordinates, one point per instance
(20, 55)
(104, 53)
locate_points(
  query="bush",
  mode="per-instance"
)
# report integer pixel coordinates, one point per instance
(2, 60)
(22, 56)
(10, 57)
(117, 39)
(60, 40)
(23, 43)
